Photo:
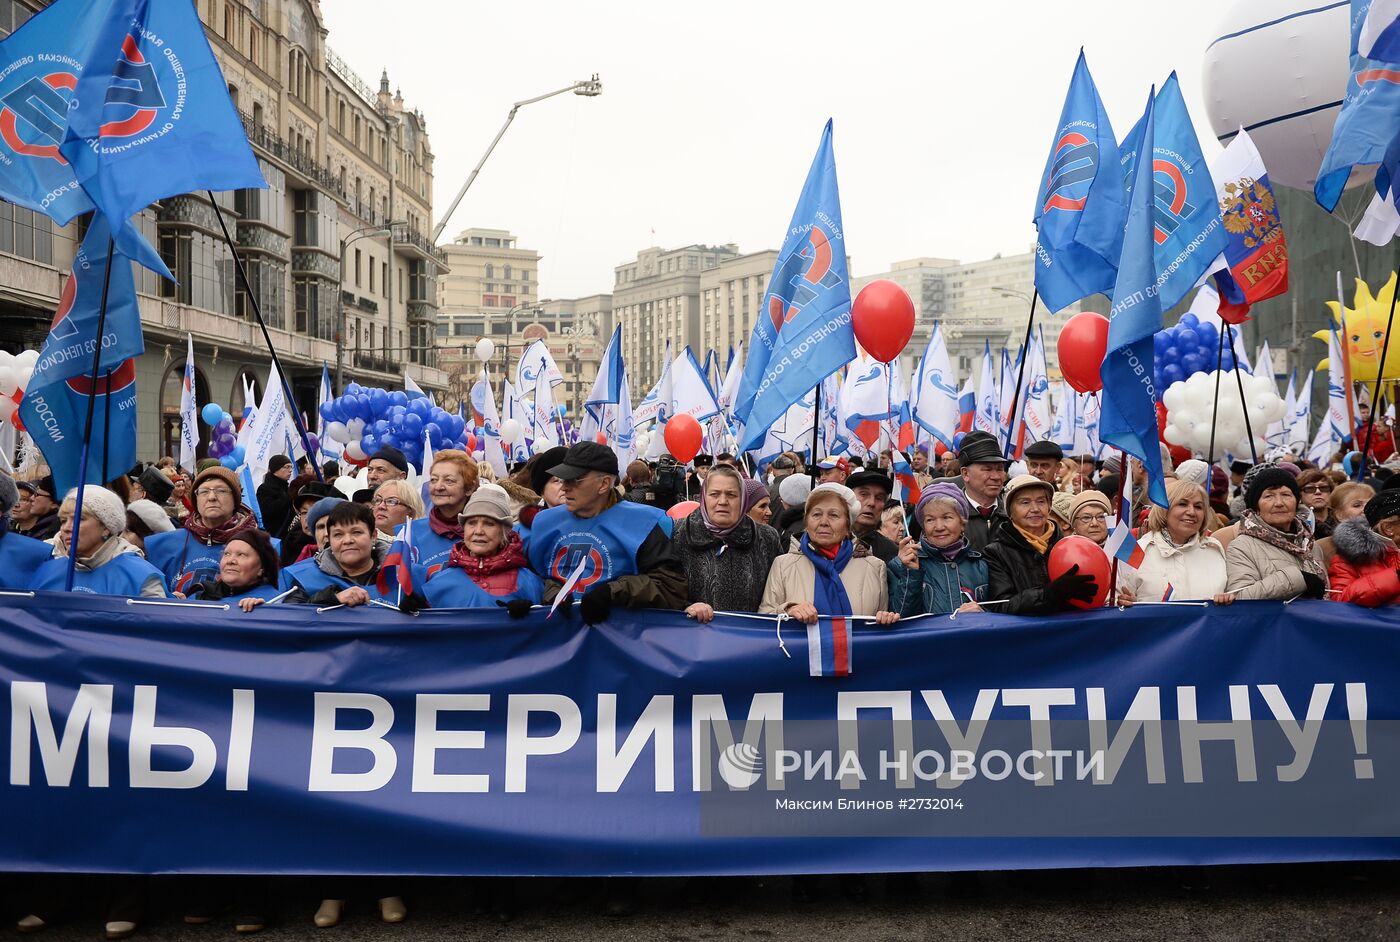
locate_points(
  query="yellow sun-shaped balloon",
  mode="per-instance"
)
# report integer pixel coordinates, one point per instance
(1365, 332)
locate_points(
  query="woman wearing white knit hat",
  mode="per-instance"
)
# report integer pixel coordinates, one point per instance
(107, 564)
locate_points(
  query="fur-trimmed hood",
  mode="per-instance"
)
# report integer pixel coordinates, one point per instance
(1358, 544)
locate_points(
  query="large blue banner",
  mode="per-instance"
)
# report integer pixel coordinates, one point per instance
(166, 737)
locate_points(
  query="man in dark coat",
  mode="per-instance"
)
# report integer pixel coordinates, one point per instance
(872, 488)
(274, 498)
(983, 470)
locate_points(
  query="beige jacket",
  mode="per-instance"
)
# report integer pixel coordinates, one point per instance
(1259, 570)
(1194, 571)
(793, 579)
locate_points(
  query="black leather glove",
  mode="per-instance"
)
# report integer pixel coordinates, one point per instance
(1315, 586)
(1071, 585)
(516, 608)
(413, 603)
(596, 604)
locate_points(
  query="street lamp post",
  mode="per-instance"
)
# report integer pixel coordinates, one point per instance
(360, 233)
(588, 88)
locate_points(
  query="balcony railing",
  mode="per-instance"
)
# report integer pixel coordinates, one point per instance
(404, 235)
(264, 138)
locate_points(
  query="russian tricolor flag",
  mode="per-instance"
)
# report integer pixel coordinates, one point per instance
(397, 563)
(829, 647)
(1169, 593)
(967, 406)
(1123, 545)
(909, 490)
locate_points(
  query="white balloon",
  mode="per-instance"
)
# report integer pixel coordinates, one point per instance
(511, 431)
(337, 432)
(1192, 407)
(485, 349)
(7, 408)
(356, 428)
(27, 359)
(354, 452)
(1274, 59)
(8, 381)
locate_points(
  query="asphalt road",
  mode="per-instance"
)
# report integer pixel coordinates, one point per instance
(1332, 901)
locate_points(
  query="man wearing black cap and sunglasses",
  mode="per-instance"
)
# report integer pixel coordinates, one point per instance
(621, 550)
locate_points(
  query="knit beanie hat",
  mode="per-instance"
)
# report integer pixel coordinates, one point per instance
(1268, 477)
(848, 497)
(793, 490)
(943, 490)
(151, 514)
(104, 506)
(220, 473)
(488, 500)
(318, 510)
(1194, 470)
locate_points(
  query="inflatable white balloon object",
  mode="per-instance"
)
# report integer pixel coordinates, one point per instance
(1189, 412)
(1279, 68)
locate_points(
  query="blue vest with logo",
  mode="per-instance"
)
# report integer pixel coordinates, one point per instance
(20, 559)
(184, 559)
(608, 542)
(288, 576)
(263, 592)
(429, 550)
(122, 575)
(314, 579)
(451, 587)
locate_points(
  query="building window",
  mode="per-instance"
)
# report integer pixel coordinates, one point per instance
(524, 274)
(203, 268)
(25, 233)
(461, 329)
(490, 271)
(490, 300)
(507, 300)
(371, 276)
(357, 268)
(266, 276)
(506, 273)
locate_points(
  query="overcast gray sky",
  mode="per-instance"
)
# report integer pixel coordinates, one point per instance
(710, 114)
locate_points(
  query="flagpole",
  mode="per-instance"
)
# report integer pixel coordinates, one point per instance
(267, 338)
(816, 426)
(1244, 406)
(1123, 471)
(1021, 375)
(106, 433)
(87, 425)
(1376, 393)
(1215, 403)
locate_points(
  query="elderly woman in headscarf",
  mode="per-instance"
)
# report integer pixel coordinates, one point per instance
(941, 573)
(106, 564)
(1274, 556)
(826, 571)
(1365, 566)
(248, 570)
(726, 555)
(758, 503)
(487, 567)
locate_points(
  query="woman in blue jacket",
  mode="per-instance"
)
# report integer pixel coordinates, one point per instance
(107, 564)
(247, 571)
(940, 573)
(488, 566)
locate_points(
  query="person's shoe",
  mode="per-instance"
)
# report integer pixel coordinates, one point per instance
(329, 913)
(120, 929)
(247, 925)
(196, 919)
(392, 909)
(31, 923)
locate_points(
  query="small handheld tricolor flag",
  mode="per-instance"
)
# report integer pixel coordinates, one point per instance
(829, 647)
(1122, 544)
(907, 486)
(398, 562)
(568, 585)
(1167, 595)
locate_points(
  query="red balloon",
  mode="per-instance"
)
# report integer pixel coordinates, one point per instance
(882, 316)
(1091, 560)
(683, 437)
(471, 442)
(682, 510)
(1082, 345)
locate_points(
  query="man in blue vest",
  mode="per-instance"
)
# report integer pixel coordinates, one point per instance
(620, 550)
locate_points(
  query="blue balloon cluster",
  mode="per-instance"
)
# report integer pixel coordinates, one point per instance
(1189, 347)
(223, 442)
(397, 419)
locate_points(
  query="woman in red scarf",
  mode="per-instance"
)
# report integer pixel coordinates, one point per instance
(193, 552)
(488, 566)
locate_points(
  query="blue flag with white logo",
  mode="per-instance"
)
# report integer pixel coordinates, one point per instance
(1129, 401)
(55, 401)
(803, 332)
(1187, 229)
(39, 68)
(1368, 126)
(1079, 208)
(151, 114)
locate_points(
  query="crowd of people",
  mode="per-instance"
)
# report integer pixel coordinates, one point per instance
(794, 541)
